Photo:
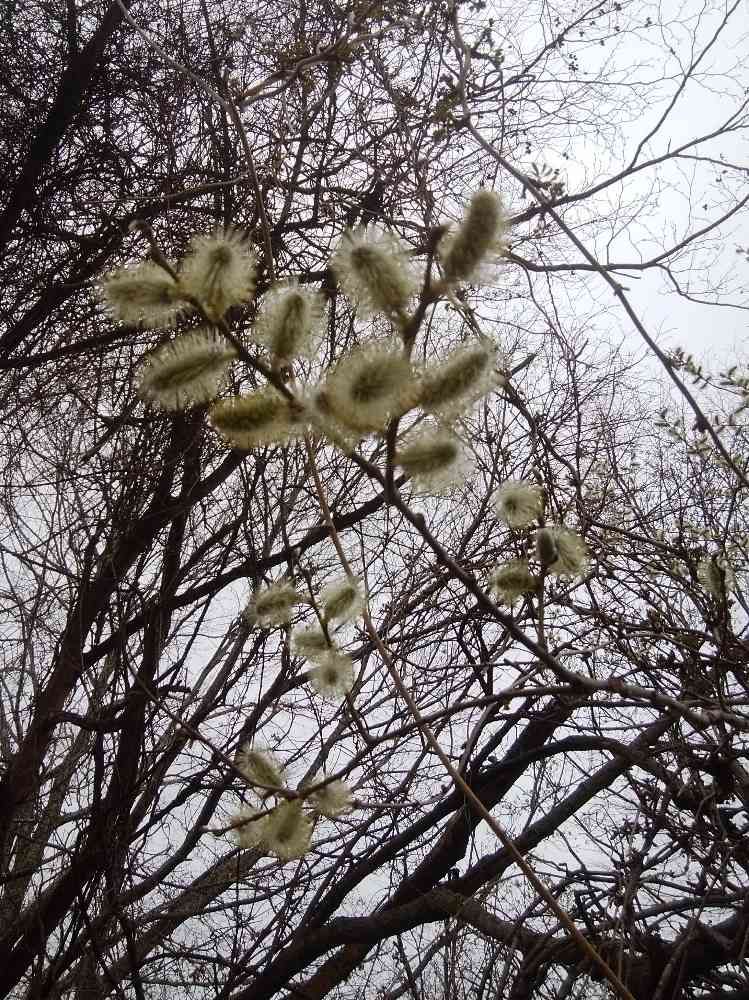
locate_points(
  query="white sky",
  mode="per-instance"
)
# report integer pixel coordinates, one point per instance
(715, 334)
(690, 193)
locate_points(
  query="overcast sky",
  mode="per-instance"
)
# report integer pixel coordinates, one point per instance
(691, 192)
(715, 334)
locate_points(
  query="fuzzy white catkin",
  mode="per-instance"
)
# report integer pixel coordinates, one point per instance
(436, 459)
(188, 370)
(368, 386)
(219, 272)
(512, 580)
(259, 767)
(247, 831)
(373, 269)
(144, 295)
(562, 552)
(332, 800)
(332, 677)
(342, 600)
(518, 503)
(273, 605)
(287, 831)
(450, 388)
(258, 419)
(481, 231)
(289, 322)
(310, 642)
(546, 546)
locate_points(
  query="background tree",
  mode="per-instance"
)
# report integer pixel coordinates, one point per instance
(548, 792)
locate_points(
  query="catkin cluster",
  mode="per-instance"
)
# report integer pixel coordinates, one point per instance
(556, 551)
(283, 830)
(373, 384)
(365, 392)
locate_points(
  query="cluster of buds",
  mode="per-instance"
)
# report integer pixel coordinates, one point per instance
(332, 673)
(556, 550)
(367, 388)
(217, 273)
(285, 830)
(365, 392)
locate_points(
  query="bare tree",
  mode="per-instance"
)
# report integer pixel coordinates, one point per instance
(374, 618)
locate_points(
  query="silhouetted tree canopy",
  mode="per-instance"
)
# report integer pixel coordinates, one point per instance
(507, 759)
